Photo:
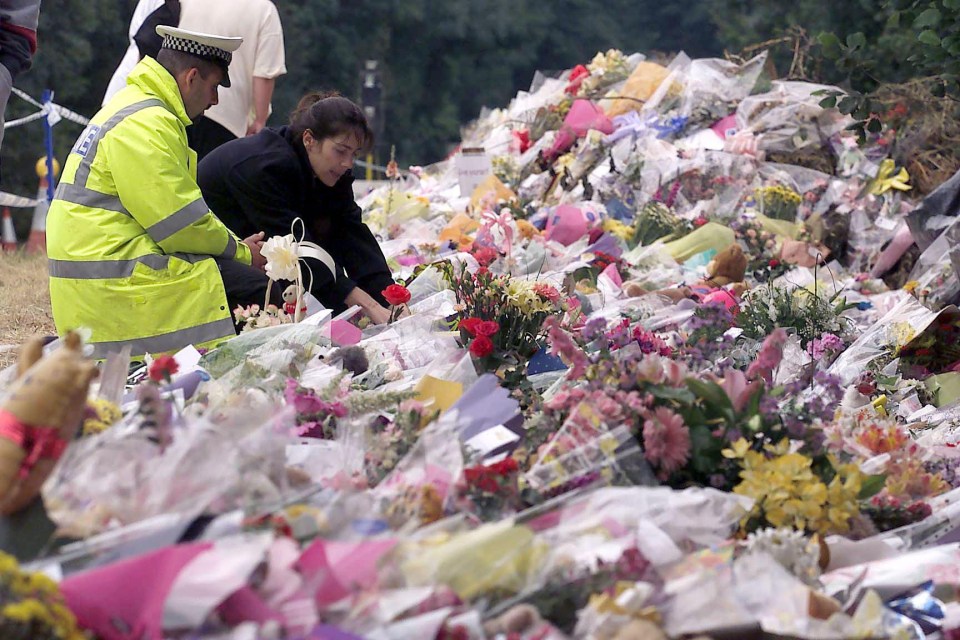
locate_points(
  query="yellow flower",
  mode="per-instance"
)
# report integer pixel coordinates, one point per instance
(787, 493)
(42, 585)
(522, 296)
(92, 426)
(618, 229)
(910, 286)
(8, 564)
(29, 610)
(737, 450)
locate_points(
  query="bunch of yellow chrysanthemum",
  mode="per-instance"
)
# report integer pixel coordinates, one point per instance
(31, 606)
(787, 492)
(105, 414)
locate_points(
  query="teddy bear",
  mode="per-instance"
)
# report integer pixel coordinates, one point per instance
(43, 409)
(290, 301)
(727, 267)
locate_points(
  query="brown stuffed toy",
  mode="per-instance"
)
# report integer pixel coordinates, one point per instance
(42, 412)
(728, 266)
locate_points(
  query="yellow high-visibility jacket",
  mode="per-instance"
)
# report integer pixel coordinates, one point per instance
(130, 240)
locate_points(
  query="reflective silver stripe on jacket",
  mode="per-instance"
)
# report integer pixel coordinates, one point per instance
(178, 221)
(173, 341)
(107, 269)
(231, 251)
(89, 198)
(83, 171)
(77, 192)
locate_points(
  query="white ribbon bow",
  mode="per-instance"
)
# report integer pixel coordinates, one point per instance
(284, 255)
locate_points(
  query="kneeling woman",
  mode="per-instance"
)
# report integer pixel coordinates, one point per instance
(265, 181)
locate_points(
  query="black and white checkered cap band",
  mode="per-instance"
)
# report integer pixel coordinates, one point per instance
(195, 48)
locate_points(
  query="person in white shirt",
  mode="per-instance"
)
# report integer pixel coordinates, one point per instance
(144, 10)
(244, 107)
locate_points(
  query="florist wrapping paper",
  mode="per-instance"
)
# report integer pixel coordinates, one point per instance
(894, 575)
(209, 579)
(117, 603)
(343, 567)
(483, 406)
(500, 557)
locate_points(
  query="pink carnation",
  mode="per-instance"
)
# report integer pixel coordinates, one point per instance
(666, 440)
(547, 291)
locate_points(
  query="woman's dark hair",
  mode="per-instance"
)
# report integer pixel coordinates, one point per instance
(327, 115)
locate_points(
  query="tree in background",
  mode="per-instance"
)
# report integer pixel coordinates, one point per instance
(79, 48)
(442, 60)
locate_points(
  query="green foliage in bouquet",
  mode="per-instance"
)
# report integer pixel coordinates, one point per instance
(778, 202)
(501, 318)
(654, 221)
(810, 314)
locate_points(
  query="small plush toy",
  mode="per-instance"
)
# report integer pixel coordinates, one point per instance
(41, 414)
(290, 301)
(730, 265)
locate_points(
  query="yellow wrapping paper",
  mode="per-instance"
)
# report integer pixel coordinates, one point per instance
(640, 86)
(489, 192)
(438, 394)
(779, 227)
(458, 228)
(945, 387)
(495, 557)
(709, 236)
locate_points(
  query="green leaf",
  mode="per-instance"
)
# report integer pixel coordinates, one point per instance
(874, 125)
(928, 18)
(893, 21)
(871, 486)
(702, 444)
(829, 102)
(848, 104)
(938, 90)
(830, 43)
(929, 37)
(856, 40)
(951, 4)
(714, 397)
(672, 393)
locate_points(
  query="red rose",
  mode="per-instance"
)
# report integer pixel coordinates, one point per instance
(523, 139)
(470, 325)
(481, 347)
(504, 467)
(396, 294)
(482, 272)
(163, 368)
(487, 328)
(774, 263)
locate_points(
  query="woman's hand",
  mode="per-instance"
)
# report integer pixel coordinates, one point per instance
(377, 314)
(371, 308)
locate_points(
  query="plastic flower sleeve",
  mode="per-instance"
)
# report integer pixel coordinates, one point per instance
(495, 560)
(417, 489)
(295, 339)
(906, 319)
(788, 117)
(120, 476)
(892, 576)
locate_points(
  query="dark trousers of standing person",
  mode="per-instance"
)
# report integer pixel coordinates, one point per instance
(246, 285)
(205, 135)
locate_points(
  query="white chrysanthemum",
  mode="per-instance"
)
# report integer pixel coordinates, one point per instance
(281, 255)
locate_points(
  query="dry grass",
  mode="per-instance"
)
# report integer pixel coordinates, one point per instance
(25, 299)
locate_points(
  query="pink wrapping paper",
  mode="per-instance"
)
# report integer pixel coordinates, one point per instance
(125, 600)
(343, 566)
